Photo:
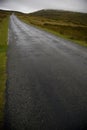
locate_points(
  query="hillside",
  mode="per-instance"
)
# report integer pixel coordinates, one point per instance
(4, 14)
(62, 16)
(71, 25)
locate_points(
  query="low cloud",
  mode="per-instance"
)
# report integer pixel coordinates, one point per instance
(32, 5)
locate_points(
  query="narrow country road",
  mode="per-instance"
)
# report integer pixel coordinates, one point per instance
(47, 81)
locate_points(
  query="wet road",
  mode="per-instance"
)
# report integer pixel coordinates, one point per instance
(47, 81)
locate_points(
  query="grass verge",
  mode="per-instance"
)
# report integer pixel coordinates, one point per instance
(3, 49)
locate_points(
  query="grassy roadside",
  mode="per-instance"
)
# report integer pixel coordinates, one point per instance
(69, 25)
(3, 49)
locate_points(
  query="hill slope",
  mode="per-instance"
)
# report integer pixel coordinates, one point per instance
(71, 25)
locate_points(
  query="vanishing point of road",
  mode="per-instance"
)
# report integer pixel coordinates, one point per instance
(47, 81)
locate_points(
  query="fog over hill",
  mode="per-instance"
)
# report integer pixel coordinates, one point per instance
(27, 6)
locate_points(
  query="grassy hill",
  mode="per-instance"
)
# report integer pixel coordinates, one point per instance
(4, 16)
(71, 25)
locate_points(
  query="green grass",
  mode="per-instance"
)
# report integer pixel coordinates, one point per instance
(69, 25)
(3, 58)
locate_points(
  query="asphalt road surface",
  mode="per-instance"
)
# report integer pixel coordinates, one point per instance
(47, 81)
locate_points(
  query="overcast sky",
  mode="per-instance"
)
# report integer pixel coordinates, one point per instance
(33, 5)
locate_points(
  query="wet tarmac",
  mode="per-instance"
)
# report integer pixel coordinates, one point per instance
(47, 81)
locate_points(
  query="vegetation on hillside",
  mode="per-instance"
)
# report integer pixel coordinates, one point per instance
(3, 48)
(71, 25)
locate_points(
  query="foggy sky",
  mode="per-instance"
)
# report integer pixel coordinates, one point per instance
(33, 5)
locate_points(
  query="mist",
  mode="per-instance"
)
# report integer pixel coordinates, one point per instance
(27, 6)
